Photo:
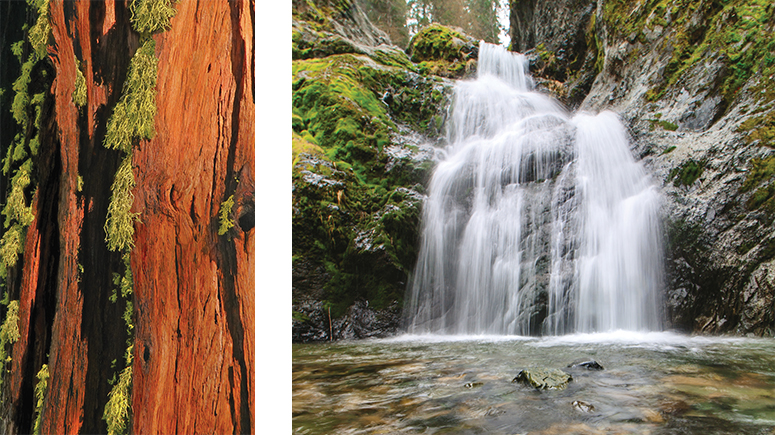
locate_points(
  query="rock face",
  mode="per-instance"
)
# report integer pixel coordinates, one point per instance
(698, 100)
(193, 353)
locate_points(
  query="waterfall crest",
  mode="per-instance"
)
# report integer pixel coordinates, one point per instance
(536, 222)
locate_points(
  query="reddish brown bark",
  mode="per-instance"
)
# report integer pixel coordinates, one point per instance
(193, 289)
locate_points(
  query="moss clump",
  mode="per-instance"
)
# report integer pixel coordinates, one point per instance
(669, 126)
(40, 395)
(16, 209)
(79, 94)
(119, 224)
(117, 409)
(150, 16)
(224, 216)
(134, 114)
(9, 334)
(760, 128)
(116, 413)
(761, 170)
(763, 197)
(687, 173)
(40, 32)
(437, 42)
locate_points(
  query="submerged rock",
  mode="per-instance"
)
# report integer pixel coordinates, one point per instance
(544, 379)
(589, 365)
(582, 406)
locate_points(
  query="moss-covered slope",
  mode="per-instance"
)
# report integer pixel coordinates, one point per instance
(364, 120)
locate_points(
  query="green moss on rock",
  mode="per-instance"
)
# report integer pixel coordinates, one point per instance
(739, 32)
(760, 170)
(687, 173)
(760, 128)
(437, 42)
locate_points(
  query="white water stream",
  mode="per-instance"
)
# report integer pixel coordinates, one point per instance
(536, 222)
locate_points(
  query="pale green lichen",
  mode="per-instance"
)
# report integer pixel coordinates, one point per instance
(224, 216)
(79, 94)
(133, 116)
(10, 247)
(9, 334)
(40, 32)
(116, 412)
(117, 409)
(149, 16)
(40, 395)
(16, 208)
(119, 224)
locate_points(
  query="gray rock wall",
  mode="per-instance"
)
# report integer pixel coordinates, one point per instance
(687, 126)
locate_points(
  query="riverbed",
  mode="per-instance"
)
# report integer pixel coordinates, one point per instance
(651, 383)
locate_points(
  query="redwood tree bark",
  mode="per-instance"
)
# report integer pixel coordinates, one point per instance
(193, 367)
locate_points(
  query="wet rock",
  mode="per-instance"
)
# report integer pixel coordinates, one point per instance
(589, 365)
(473, 384)
(582, 406)
(543, 379)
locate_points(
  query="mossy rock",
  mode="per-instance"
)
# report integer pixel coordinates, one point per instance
(441, 43)
(543, 379)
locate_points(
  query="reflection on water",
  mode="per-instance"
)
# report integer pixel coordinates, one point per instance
(655, 383)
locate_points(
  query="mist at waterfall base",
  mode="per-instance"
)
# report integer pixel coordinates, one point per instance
(536, 222)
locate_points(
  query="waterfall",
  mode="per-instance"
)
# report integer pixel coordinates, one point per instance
(536, 222)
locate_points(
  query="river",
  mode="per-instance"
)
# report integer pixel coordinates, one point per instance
(652, 383)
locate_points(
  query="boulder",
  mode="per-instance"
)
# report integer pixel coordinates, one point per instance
(543, 379)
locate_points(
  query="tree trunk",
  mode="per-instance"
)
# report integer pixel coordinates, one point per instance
(193, 365)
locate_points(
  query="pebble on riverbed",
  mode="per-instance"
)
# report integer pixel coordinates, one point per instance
(590, 365)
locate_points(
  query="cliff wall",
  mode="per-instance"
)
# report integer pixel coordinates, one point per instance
(693, 80)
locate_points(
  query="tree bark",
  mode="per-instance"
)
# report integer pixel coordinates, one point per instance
(193, 367)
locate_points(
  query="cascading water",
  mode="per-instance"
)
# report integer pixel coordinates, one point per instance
(535, 222)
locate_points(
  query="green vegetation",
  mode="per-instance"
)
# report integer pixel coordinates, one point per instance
(669, 149)
(669, 126)
(18, 162)
(224, 216)
(133, 116)
(40, 32)
(760, 128)
(687, 173)
(352, 217)
(40, 395)
(150, 16)
(437, 42)
(9, 334)
(79, 94)
(736, 31)
(116, 412)
(117, 409)
(119, 224)
(761, 170)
